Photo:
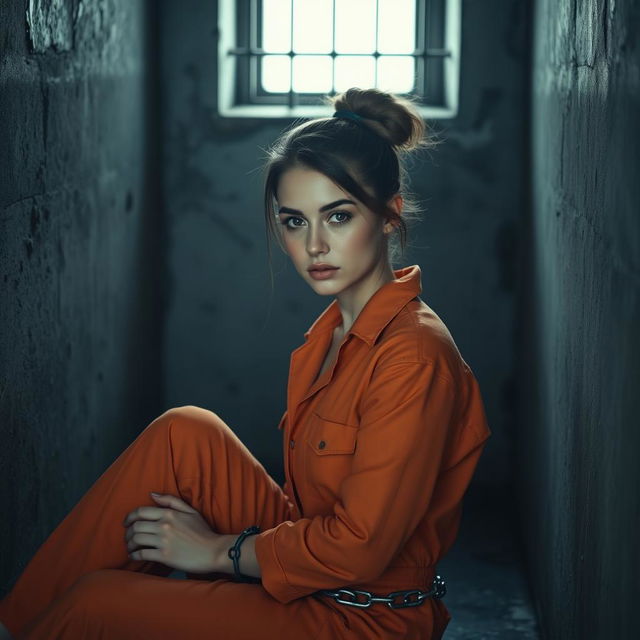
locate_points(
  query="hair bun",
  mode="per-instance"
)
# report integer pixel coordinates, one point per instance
(395, 119)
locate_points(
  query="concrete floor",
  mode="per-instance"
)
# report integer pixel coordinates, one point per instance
(487, 594)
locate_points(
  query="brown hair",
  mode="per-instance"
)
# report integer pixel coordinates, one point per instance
(365, 152)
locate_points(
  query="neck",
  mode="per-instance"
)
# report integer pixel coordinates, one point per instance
(353, 300)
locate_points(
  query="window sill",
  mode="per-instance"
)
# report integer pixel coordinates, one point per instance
(313, 111)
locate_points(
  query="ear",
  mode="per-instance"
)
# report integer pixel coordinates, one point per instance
(396, 204)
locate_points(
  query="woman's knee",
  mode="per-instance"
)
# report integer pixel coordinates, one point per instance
(192, 422)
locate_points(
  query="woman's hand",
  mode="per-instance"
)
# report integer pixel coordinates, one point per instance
(178, 536)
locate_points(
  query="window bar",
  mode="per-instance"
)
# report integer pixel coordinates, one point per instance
(333, 52)
(253, 25)
(290, 97)
(257, 51)
(421, 37)
(376, 53)
(252, 61)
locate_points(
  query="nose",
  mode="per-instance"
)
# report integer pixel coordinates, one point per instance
(316, 242)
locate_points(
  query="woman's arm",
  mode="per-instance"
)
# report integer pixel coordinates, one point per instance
(405, 437)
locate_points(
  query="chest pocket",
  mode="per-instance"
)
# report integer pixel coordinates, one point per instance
(329, 450)
(327, 437)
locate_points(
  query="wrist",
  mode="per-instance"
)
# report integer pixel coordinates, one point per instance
(247, 571)
(221, 560)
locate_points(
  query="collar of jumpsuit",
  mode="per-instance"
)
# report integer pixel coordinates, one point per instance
(376, 314)
(379, 310)
(378, 452)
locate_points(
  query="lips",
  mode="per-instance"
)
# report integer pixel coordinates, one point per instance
(322, 272)
(321, 267)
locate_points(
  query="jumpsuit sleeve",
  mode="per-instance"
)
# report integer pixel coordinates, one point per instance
(405, 430)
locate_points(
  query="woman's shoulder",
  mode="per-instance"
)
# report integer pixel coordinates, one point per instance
(418, 334)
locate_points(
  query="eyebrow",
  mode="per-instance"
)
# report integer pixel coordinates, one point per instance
(326, 207)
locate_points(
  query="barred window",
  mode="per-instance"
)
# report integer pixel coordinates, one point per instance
(278, 58)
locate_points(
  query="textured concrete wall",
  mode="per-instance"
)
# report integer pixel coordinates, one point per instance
(80, 366)
(228, 341)
(581, 376)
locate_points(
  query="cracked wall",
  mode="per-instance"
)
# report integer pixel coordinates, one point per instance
(80, 246)
(580, 375)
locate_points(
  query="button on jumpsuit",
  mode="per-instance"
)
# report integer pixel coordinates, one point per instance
(378, 453)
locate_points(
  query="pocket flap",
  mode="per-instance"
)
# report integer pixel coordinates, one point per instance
(326, 437)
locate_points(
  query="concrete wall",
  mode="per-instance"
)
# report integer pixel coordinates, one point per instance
(228, 340)
(579, 441)
(80, 250)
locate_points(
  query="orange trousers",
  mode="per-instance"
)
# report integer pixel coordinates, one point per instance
(82, 584)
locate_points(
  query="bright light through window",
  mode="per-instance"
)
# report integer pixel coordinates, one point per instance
(279, 58)
(362, 45)
(362, 39)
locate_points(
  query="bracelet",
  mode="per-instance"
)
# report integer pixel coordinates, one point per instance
(234, 554)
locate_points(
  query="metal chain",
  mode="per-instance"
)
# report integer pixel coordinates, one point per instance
(410, 598)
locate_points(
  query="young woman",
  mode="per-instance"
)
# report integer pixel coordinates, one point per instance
(383, 431)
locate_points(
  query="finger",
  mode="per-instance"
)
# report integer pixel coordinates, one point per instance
(147, 554)
(142, 526)
(143, 513)
(143, 540)
(173, 501)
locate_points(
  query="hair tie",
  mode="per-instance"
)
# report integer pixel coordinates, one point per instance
(351, 115)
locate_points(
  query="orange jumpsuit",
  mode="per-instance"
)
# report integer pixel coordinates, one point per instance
(378, 454)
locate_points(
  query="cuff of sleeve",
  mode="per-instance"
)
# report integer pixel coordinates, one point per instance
(274, 578)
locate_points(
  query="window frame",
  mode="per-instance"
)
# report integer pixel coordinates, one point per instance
(239, 56)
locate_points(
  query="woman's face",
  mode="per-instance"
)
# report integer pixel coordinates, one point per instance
(321, 223)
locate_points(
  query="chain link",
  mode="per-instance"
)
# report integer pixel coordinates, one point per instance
(410, 597)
